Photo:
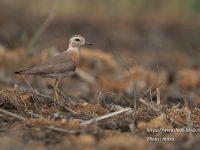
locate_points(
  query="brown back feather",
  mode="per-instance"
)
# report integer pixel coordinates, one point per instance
(63, 63)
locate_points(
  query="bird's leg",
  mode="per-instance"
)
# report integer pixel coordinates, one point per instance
(55, 89)
(60, 88)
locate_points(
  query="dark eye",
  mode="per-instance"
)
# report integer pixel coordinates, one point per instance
(77, 39)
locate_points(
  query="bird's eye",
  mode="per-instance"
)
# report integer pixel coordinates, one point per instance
(77, 39)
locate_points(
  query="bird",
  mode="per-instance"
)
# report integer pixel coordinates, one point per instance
(60, 66)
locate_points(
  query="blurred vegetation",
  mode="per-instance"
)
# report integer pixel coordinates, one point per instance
(103, 8)
(130, 24)
(112, 9)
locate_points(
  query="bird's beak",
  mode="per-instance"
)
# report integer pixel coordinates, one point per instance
(87, 43)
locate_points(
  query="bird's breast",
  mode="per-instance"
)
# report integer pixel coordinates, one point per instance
(74, 57)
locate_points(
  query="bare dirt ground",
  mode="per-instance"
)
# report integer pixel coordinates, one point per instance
(137, 87)
(123, 114)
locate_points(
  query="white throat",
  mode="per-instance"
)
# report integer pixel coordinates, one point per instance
(73, 49)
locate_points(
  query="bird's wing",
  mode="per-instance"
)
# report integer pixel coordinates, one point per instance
(49, 69)
(64, 62)
(61, 58)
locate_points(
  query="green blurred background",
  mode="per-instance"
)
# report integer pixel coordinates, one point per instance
(124, 25)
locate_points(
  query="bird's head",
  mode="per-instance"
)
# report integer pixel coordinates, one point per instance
(77, 41)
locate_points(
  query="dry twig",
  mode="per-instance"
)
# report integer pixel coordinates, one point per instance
(149, 105)
(35, 115)
(158, 95)
(63, 130)
(106, 116)
(12, 114)
(66, 108)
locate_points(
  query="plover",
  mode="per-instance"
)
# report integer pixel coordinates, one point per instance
(59, 66)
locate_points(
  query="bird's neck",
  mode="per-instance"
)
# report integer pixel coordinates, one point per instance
(73, 49)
